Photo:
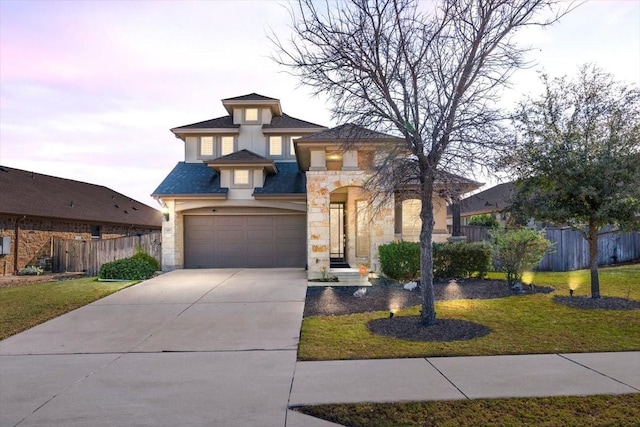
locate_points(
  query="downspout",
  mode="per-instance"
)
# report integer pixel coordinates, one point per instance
(17, 240)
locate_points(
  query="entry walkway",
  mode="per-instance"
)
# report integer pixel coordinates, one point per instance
(218, 348)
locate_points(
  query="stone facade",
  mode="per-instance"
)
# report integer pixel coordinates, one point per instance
(323, 187)
(34, 237)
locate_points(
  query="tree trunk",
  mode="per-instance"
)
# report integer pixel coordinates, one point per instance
(593, 260)
(428, 313)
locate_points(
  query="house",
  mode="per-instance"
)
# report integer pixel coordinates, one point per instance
(34, 208)
(259, 188)
(494, 201)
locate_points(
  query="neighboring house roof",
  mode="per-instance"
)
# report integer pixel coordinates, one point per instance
(288, 181)
(494, 199)
(34, 194)
(348, 132)
(243, 158)
(191, 179)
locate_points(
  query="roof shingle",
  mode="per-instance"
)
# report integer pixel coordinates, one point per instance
(34, 194)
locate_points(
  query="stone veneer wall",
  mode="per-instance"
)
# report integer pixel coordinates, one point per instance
(320, 185)
(173, 239)
(35, 234)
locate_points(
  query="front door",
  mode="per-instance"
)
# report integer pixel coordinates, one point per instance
(337, 233)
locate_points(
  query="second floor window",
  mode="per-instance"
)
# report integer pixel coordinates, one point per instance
(241, 177)
(216, 146)
(275, 146)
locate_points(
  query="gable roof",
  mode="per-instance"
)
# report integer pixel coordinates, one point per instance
(285, 121)
(349, 132)
(34, 194)
(251, 97)
(242, 158)
(493, 199)
(217, 123)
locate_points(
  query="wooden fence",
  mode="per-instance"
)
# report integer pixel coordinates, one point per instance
(571, 250)
(88, 255)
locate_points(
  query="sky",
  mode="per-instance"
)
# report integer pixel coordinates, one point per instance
(90, 89)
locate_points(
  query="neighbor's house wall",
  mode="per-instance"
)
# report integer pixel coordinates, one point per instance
(35, 234)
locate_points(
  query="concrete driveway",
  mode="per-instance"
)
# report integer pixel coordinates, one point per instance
(187, 348)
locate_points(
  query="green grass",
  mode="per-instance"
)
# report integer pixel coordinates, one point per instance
(23, 307)
(519, 324)
(578, 411)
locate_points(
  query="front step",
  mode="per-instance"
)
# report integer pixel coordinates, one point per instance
(349, 277)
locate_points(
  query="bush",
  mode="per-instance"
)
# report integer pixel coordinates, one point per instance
(400, 260)
(140, 254)
(519, 250)
(30, 271)
(461, 259)
(484, 220)
(127, 269)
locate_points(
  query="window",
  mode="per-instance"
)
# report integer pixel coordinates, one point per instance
(216, 146)
(241, 177)
(251, 115)
(96, 232)
(275, 146)
(206, 146)
(362, 228)
(226, 145)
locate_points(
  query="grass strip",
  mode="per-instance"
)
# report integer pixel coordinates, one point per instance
(568, 411)
(23, 307)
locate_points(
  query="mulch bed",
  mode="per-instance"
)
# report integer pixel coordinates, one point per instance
(386, 295)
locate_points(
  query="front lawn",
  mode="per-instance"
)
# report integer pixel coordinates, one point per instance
(519, 324)
(24, 307)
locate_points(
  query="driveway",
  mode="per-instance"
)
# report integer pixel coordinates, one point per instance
(187, 348)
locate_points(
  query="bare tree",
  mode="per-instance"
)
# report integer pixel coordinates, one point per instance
(431, 77)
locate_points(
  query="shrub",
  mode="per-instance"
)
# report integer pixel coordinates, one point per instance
(461, 259)
(140, 254)
(400, 260)
(484, 220)
(127, 269)
(30, 271)
(519, 250)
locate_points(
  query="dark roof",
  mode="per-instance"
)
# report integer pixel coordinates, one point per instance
(493, 199)
(348, 131)
(286, 122)
(242, 156)
(200, 179)
(251, 97)
(34, 194)
(190, 178)
(288, 180)
(220, 122)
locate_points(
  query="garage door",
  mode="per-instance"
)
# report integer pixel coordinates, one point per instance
(245, 241)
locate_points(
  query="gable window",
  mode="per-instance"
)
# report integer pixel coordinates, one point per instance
(275, 146)
(251, 115)
(241, 177)
(227, 145)
(96, 232)
(206, 146)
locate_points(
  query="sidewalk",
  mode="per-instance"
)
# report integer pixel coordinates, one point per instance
(444, 378)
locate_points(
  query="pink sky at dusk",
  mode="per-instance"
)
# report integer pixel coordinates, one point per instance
(90, 89)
